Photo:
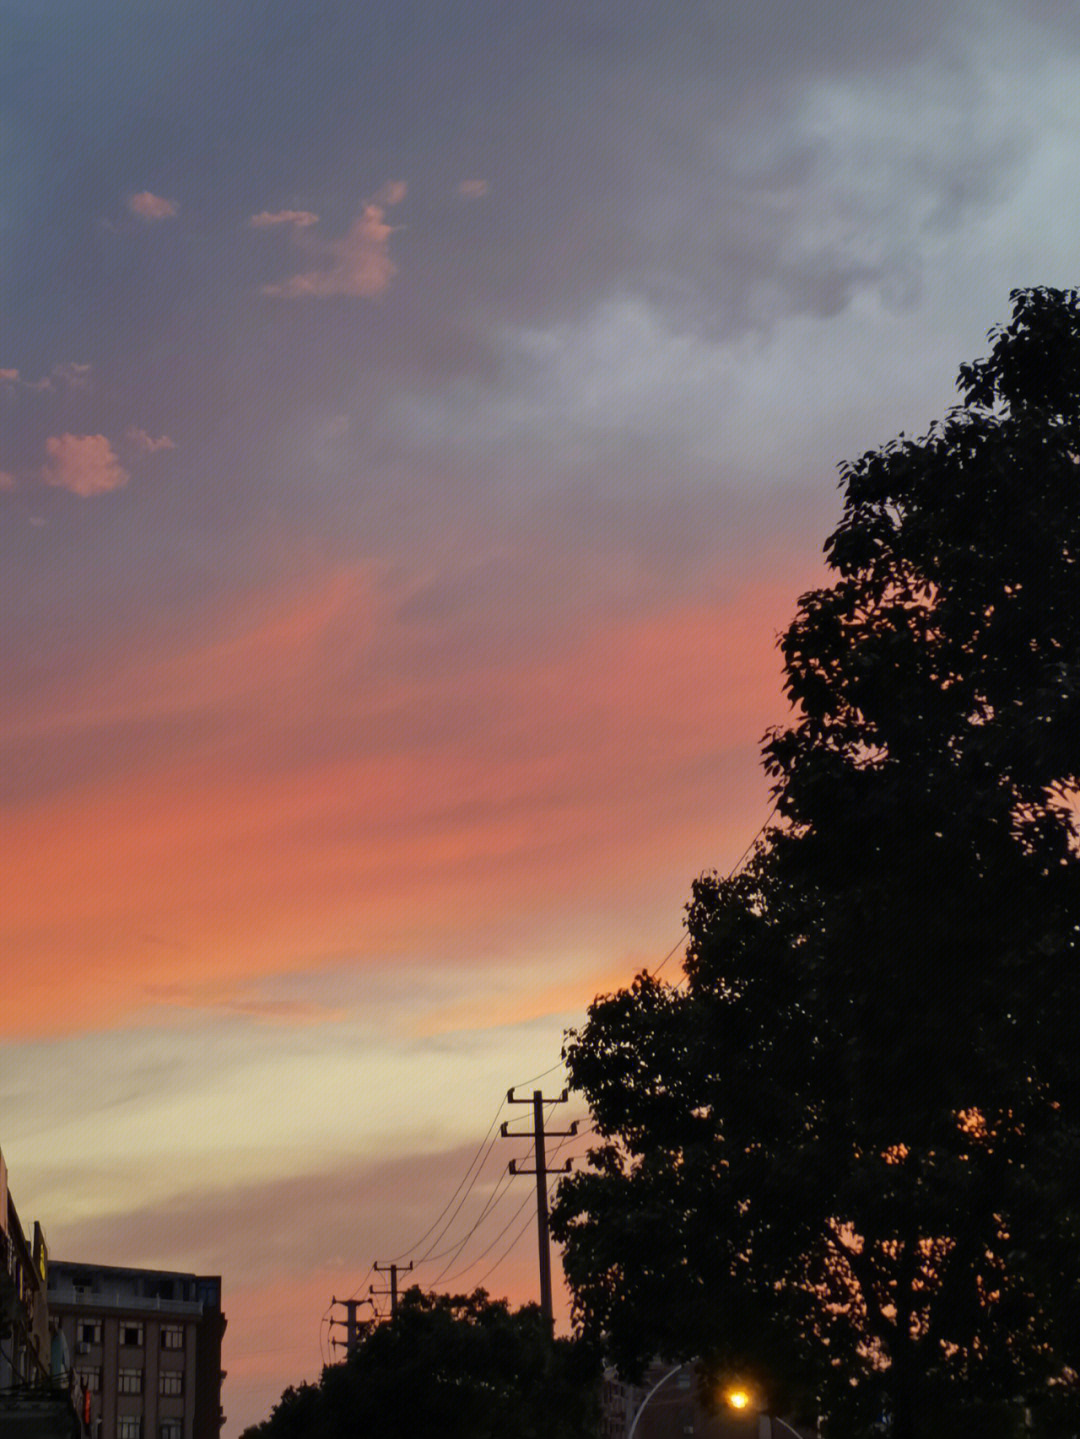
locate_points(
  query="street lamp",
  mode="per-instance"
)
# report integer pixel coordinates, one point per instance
(768, 1420)
(652, 1391)
(740, 1399)
(737, 1398)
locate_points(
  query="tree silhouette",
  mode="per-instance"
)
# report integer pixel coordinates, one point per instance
(448, 1367)
(843, 1161)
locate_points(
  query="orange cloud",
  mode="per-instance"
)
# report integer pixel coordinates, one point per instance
(308, 788)
(152, 207)
(358, 264)
(83, 464)
(494, 1011)
(298, 219)
(473, 189)
(243, 1001)
(7, 480)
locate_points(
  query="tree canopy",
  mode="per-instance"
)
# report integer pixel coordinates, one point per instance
(841, 1155)
(448, 1367)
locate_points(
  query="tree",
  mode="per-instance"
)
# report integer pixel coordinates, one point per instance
(462, 1367)
(842, 1155)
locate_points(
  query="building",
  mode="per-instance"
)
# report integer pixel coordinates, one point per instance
(39, 1398)
(146, 1343)
(25, 1349)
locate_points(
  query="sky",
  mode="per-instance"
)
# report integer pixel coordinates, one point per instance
(418, 421)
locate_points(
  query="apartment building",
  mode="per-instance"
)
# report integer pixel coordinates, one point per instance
(146, 1344)
(25, 1355)
(38, 1397)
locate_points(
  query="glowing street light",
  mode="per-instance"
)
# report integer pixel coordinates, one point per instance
(741, 1399)
(738, 1398)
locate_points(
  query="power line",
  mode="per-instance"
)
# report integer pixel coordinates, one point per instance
(484, 1252)
(739, 862)
(498, 1194)
(501, 1186)
(532, 1080)
(413, 1247)
(495, 1197)
(479, 1159)
(509, 1249)
(363, 1281)
(731, 875)
(670, 952)
(429, 1254)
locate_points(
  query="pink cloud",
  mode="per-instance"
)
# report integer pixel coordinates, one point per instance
(655, 778)
(145, 443)
(359, 264)
(152, 207)
(75, 375)
(14, 381)
(7, 480)
(243, 1000)
(84, 464)
(392, 193)
(70, 373)
(299, 219)
(473, 189)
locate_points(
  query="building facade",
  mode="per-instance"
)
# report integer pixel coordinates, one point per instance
(39, 1396)
(146, 1344)
(25, 1349)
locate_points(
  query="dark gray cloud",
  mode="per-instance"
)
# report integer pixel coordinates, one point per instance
(737, 163)
(248, 1231)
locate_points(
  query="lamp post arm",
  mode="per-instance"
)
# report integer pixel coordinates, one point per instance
(775, 1419)
(652, 1391)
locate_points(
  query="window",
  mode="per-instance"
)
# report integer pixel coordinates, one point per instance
(172, 1336)
(90, 1380)
(89, 1331)
(131, 1335)
(129, 1428)
(171, 1381)
(129, 1381)
(171, 1429)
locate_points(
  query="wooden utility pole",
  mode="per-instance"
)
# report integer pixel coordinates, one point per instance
(541, 1171)
(392, 1270)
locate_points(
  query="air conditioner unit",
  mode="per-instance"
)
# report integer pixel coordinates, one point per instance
(82, 1347)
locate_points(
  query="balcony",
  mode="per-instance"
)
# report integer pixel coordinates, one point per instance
(116, 1299)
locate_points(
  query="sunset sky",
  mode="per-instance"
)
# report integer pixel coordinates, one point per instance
(419, 418)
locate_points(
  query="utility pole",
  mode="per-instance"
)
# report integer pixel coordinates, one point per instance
(541, 1171)
(392, 1270)
(351, 1323)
